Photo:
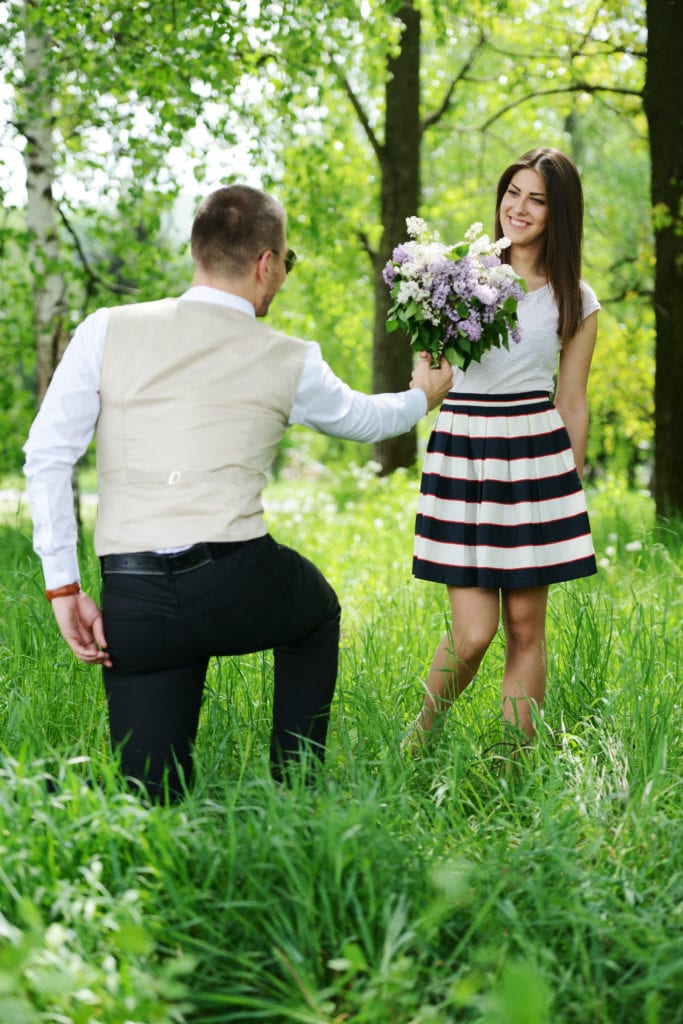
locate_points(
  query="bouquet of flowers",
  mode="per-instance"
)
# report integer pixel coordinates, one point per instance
(456, 301)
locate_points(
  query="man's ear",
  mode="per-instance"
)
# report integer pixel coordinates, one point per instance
(263, 265)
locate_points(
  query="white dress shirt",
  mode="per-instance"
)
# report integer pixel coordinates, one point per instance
(65, 425)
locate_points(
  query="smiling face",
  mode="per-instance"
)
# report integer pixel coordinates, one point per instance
(524, 208)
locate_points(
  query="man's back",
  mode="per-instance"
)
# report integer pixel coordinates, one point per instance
(195, 398)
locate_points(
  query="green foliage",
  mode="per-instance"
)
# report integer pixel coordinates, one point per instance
(133, 86)
(460, 887)
(621, 399)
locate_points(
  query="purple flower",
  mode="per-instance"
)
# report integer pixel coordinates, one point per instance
(440, 299)
(389, 274)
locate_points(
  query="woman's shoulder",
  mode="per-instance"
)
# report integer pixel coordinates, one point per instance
(589, 299)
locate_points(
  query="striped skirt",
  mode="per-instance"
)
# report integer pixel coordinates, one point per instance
(501, 503)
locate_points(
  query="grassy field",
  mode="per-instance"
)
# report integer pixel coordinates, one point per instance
(461, 887)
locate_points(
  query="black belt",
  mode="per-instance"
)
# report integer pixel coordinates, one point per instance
(150, 563)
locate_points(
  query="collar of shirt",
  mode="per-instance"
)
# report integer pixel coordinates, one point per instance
(202, 293)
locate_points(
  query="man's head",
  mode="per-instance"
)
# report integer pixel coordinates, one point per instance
(239, 238)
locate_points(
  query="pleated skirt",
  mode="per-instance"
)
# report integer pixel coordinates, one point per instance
(501, 504)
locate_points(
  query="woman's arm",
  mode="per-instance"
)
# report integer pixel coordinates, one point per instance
(571, 396)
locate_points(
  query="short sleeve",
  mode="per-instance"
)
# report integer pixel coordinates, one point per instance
(589, 300)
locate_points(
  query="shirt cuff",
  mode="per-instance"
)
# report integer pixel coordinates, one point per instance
(60, 570)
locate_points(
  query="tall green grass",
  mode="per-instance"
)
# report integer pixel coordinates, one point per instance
(460, 887)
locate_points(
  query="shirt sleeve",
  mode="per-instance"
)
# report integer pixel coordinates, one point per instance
(59, 435)
(325, 403)
(589, 300)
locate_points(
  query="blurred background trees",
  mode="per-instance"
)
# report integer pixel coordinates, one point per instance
(355, 114)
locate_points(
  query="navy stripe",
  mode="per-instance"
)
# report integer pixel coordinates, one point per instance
(534, 576)
(514, 396)
(496, 407)
(462, 446)
(495, 536)
(500, 492)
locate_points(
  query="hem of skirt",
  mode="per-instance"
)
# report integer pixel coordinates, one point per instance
(504, 579)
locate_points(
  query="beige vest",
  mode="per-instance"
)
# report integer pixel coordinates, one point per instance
(195, 398)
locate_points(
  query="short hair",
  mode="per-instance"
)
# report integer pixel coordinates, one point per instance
(564, 235)
(233, 226)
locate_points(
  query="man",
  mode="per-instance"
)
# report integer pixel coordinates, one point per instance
(189, 398)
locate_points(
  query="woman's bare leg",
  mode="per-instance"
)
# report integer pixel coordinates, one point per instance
(524, 677)
(474, 617)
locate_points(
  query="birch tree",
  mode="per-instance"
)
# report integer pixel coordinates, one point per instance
(41, 214)
(104, 92)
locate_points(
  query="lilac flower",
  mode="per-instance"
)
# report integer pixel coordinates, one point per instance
(389, 274)
(457, 300)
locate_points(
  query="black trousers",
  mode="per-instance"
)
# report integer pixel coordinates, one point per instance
(163, 626)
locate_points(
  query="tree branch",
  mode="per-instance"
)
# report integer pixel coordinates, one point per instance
(436, 116)
(93, 278)
(365, 243)
(362, 117)
(578, 87)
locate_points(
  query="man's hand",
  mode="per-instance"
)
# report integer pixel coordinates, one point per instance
(80, 623)
(435, 383)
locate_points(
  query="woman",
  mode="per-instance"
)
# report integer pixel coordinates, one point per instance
(502, 513)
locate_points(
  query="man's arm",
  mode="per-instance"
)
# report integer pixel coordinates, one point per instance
(58, 437)
(326, 404)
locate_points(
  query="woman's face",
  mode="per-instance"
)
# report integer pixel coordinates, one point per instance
(524, 208)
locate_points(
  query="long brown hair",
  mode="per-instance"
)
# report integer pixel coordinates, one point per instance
(564, 235)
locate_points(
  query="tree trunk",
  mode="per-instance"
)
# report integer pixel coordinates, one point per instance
(400, 196)
(663, 91)
(41, 212)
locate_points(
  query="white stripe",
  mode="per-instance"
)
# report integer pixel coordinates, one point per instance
(486, 557)
(490, 512)
(457, 467)
(544, 422)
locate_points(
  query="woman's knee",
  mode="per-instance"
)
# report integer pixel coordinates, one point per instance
(470, 645)
(475, 617)
(524, 621)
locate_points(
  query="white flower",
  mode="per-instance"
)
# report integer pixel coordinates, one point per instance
(417, 228)
(634, 545)
(411, 290)
(473, 231)
(504, 270)
(480, 245)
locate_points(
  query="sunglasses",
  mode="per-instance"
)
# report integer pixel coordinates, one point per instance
(290, 260)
